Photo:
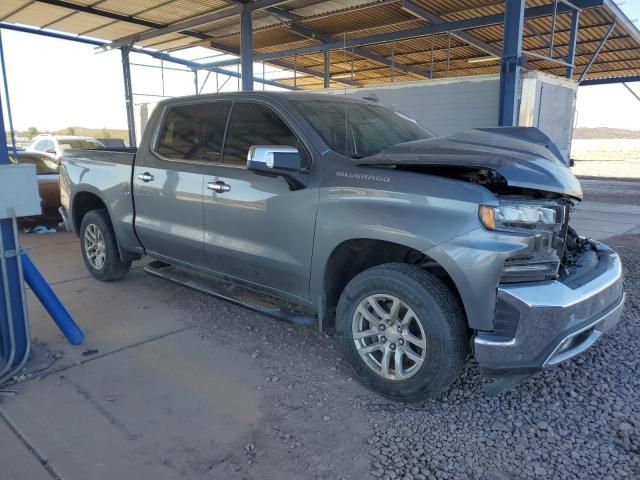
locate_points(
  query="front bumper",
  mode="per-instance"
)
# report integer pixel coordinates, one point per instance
(543, 324)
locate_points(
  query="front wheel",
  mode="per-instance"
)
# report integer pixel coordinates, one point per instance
(403, 331)
(99, 248)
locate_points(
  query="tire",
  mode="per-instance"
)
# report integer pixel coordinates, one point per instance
(105, 265)
(433, 319)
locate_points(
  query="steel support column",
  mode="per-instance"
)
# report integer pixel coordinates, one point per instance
(326, 78)
(128, 95)
(246, 48)
(14, 335)
(573, 40)
(512, 60)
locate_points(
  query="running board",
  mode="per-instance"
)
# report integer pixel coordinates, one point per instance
(232, 293)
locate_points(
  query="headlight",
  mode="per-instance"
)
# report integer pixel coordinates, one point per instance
(509, 216)
(544, 222)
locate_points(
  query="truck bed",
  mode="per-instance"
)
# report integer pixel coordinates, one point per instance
(105, 174)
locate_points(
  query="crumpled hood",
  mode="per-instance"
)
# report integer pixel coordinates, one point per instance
(524, 156)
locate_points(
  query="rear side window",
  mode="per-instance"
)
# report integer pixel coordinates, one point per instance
(194, 132)
(254, 124)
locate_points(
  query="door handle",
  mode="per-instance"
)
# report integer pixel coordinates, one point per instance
(219, 186)
(145, 177)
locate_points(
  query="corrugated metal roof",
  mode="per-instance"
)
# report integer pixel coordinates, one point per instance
(347, 19)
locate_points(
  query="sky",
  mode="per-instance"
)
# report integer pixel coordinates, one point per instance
(57, 83)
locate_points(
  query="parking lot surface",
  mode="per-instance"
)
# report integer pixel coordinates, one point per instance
(186, 386)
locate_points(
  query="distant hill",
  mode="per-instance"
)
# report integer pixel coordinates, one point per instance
(603, 132)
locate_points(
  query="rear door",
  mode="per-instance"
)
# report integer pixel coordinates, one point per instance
(168, 179)
(261, 228)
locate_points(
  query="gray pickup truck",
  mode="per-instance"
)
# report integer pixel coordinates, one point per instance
(415, 249)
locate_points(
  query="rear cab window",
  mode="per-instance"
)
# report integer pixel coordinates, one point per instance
(194, 132)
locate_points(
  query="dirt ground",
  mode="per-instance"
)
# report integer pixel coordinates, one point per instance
(320, 423)
(312, 419)
(602, 189)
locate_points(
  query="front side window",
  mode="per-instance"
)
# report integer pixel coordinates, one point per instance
(254, 124)
(359, 129)
(194, 132)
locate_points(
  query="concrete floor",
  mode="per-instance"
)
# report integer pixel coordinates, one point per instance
(149, 393)
(155, 400)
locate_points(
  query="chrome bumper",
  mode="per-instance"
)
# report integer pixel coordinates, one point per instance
(551, 321)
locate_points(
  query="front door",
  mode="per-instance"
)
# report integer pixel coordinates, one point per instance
(259, 228)
(168, 180)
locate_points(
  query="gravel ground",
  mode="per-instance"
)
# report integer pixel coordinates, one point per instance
(578, 420)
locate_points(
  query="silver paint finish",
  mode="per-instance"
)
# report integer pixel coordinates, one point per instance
(107, 175)
(261, 230)
(549, 312)
(525, 157)
(279, 231)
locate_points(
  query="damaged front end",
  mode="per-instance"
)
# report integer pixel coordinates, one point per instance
(536, 293)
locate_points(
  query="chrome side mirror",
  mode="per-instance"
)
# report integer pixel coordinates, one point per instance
(273, 157)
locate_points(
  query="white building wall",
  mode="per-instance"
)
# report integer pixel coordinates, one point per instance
(444, 106)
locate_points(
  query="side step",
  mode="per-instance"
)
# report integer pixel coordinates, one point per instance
(233, 293)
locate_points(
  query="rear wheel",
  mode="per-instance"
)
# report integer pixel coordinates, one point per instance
(99, 248)
(403, 331)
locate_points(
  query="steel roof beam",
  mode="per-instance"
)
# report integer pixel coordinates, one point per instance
(466, 37)
(607, 81)
(623, 20)
(297, 27)
(155, 54)
(278, 63)
(454, 26)
(597, 52)
(185, 25)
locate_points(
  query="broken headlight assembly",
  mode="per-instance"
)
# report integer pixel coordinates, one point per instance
(545, 222)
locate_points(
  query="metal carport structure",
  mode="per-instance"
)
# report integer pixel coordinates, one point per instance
(357, 42)
(328, 43)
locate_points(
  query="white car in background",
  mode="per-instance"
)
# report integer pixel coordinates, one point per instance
(55, 145)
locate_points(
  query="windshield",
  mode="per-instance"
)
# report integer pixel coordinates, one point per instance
(43, 165)
(359, 129)
(79, 144)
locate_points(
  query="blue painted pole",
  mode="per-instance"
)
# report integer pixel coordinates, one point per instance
(573, 40)
(246, 47)
(512, 59)
(51, 303)
(8, 99)
(11, 293)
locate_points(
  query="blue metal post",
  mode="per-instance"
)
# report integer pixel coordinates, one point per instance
(246, 48)
(326, 71)
(128, 95)
(6, 96)
(12, 312)
(51, 303)
(512, 60)
(573, 40)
